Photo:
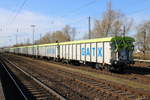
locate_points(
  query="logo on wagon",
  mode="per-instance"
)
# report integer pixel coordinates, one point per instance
(88, 52)
(51, 51)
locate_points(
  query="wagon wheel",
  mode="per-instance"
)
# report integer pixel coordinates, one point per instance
(99, 66)
(107, 68)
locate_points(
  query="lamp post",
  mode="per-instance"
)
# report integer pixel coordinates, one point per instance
(10, 40)
(89, 22)
(17, 37)
(33, 26)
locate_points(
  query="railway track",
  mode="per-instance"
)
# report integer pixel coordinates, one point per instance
(30, 87)
(142, 63)
(56, 83)
(137, 74)
(140, 60)
(130, 74)
(95, 87)
(134, 73)
(101, 85)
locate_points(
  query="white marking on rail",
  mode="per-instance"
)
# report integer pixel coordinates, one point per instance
(2, 97)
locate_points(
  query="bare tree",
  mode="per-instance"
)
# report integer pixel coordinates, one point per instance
(66, 34)
(69, 32)
(59, 36)
(112, 23)
(66, 30)
(98, 30)
(46, 38)
(143, 35)
(73, 33)
(28, 41)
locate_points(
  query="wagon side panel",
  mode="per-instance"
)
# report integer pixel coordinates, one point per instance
(93, 52)
(78, 51)
(107, 52)
(99, 51)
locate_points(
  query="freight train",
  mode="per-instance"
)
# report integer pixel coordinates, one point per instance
(111, 53)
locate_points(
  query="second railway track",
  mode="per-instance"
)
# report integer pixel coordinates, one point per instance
(30, 87)
(136, 74)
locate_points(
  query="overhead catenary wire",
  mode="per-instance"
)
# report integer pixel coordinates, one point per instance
(78, 9)
(78, 20)
(71, 12)
(81, 7)
(139, 11)
(11, 12)
(135, 12)
(18, 11)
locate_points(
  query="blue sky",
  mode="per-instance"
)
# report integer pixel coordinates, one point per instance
(50, 15)
(65, 7)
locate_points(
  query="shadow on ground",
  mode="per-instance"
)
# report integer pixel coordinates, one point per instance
(138, 70)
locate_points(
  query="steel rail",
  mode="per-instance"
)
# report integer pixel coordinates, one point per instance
(139, 60)
(39, 82)
(14, 81)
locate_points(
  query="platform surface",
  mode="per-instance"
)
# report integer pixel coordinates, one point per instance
(2, 97)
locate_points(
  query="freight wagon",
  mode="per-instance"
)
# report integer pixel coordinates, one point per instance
(112, 53)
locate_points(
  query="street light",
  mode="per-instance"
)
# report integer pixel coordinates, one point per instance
(17, 36)
(33, 26)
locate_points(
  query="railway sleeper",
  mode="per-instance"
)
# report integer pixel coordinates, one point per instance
(118, 91)
(40, 95)
(36, 92)
(33, 88)
(89, 86)
(131, 96)
(141, 99)
(108, 88)
(124, 93)
(42, 98)
(105, 90)
(105, 86)
(95, 84)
